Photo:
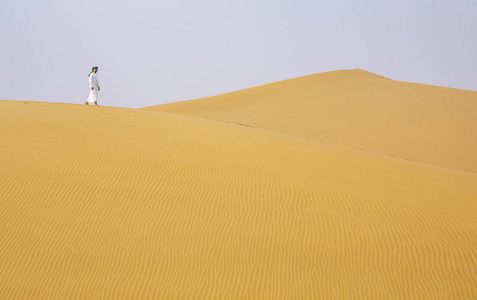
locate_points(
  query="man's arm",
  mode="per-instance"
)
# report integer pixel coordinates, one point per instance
(91, 82)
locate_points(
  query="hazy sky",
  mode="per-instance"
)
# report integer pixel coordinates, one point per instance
(152, 52)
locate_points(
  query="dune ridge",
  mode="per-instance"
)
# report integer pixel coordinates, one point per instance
(118, 203)
(357, 109)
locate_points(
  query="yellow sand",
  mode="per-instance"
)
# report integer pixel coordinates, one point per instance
(111, 203)
(357, 109)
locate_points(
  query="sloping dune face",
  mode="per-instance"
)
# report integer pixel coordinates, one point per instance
(108, 203)
(357, 109)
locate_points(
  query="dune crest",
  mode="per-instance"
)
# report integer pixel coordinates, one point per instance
(357, 109)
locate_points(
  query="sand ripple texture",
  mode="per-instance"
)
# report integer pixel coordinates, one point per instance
(110, 203)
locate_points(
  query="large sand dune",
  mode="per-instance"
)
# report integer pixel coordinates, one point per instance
(357, 109)
(110, 203)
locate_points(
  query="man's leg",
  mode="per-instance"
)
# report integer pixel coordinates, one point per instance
(96, 103)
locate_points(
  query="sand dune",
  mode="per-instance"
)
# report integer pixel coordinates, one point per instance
(357, 109)
(111, 203)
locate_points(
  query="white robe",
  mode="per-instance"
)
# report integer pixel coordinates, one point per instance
(93, 83)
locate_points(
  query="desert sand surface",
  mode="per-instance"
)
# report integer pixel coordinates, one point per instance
(115, 203)
(357, 109)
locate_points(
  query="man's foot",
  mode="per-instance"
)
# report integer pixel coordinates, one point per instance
(96, 103)
(86, 103)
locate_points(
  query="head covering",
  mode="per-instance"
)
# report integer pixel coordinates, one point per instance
(92, 69)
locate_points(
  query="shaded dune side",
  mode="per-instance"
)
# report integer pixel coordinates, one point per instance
(114, 203)
(357, 109)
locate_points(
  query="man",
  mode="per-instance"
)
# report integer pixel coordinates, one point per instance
(94, 85)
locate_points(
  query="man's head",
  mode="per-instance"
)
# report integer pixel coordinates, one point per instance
(95, 69)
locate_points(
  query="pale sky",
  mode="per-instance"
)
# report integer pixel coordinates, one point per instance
(152, 52)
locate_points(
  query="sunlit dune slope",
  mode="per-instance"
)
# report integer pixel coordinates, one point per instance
(109, 203)
(358, 109)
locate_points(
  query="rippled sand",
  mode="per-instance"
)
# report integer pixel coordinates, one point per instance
(113, 203)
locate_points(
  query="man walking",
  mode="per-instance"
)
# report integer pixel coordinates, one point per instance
(94, 85)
